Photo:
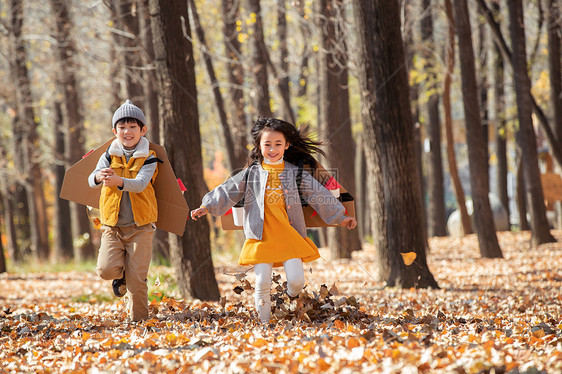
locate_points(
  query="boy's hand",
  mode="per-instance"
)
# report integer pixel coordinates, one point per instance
(113, 180)
(199, 212)
(349, 223)
(104, 173)
(109, 178)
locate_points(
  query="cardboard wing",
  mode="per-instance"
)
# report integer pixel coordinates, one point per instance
(172, 208)
(311, 218)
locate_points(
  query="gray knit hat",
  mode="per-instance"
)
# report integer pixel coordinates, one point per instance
(128, 110)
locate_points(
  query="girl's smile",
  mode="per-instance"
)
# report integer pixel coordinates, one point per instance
(273, 145)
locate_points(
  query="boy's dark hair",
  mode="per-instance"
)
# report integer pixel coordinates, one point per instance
(301, 145)
(129, 119)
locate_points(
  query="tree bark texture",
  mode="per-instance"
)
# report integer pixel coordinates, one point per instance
(73, 118)
(260, 59)
(448, 117)
(227, 136)
(64, 250)
(235, 72)
(283, 78)
(525, 137)
(414, 101)
(149, 77)
(554, 57)
(390, 133)
(520, 197)
(306, 34)
(29, 158)
(482, 216)
(337, 121)
(190, 254)
(3, 267)
(436, 205)
(501, 123)
(9, 222)
(130, 50)
(483, 84)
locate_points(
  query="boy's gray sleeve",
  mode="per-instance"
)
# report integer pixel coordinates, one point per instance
(139, 183)
(102, 164)
(330, 209)
(225, 196)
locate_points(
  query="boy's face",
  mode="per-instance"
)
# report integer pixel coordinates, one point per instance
(273, 145)
(129, 133)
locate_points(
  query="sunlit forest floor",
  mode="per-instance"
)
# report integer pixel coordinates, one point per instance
(490, 315)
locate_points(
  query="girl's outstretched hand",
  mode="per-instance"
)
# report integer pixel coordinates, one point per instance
(199, 212)
(349, 223)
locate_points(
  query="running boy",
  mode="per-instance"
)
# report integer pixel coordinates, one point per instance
(128, 208)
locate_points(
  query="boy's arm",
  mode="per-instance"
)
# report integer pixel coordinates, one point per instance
(225, 196)
(102, 164)
(139, 183)
(330, 209)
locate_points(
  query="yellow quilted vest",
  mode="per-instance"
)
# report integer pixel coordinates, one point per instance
(145, 207)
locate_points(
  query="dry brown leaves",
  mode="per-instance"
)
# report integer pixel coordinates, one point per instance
(500, 315)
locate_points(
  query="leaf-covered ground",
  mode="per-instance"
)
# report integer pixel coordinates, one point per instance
(500, 315)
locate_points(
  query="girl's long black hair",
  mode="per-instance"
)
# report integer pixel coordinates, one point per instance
(301, 146)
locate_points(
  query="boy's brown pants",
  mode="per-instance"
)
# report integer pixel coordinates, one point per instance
(129, 249)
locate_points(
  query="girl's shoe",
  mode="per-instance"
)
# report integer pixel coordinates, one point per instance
(119, 286)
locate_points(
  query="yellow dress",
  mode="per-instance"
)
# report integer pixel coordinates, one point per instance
(280, 241)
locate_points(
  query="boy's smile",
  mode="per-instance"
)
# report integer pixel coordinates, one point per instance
(273, 145)
(129, 134)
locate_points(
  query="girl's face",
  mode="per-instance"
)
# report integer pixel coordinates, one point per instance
(273, 145)
(129, 134)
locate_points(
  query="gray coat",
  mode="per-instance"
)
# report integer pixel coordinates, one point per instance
(250, 184)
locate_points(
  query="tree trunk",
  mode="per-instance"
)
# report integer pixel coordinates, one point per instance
(306, 35)
(554, 56)
(483, 86)
(525, 137)
(390, 133)
(190, 254)
(436, 205)
(73, 119)
(227, 137)
(160, 245)
(115, 76)
(149, 79)
(361, 199)
(483, 218)
(553, 142)
(337, 121)
(235, 71)
(520, 197)
(63, 236)
(283, 78)
(451, 158)
(414, 100)
(501, 125)
(130, 52)
(9, 219)
(259, 67)
(3, 268)
(29, 162)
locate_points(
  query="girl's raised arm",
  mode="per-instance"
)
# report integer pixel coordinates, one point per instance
(225, 196)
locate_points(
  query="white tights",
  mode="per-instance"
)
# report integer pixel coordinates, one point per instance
(295, 282)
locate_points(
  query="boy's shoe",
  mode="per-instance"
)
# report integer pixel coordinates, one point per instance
(119, 287)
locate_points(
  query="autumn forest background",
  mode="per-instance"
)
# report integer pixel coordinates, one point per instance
(420, 103)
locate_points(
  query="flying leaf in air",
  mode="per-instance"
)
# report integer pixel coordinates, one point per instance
(408, 258)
